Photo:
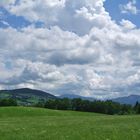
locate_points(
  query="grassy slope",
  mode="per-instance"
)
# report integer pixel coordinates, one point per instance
(41, 124)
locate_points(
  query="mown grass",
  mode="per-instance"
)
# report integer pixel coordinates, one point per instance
(20, 123)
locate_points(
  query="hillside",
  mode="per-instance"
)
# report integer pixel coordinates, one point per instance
(26, 96)
(23, 123)
(132, 99)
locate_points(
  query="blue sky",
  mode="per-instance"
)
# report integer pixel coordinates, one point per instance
(84, 47)
(113, 7)
(12, 20)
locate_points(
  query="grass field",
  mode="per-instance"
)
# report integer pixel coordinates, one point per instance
(20, 123)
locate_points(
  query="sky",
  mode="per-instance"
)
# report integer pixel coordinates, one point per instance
(85, 47)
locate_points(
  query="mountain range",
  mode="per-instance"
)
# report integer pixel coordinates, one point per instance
(27, 96)
(132, 99)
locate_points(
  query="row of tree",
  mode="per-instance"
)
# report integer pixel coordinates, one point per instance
(137, 107)
(8, 102)
(106, 107)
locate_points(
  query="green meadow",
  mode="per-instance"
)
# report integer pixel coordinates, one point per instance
(25, 123)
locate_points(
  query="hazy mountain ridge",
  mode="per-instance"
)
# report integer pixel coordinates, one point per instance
(132, 99)
(26, 96)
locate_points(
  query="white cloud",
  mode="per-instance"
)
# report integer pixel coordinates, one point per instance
(6, 2)
(127, 24)
(70, 15)
(130, 7)
(4, 23)
(103, 62)
(95, 63)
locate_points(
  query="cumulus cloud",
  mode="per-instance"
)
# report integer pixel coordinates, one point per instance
(77, 16)
(130, 7)
(7, 2)
(80, 50)
(127, 24)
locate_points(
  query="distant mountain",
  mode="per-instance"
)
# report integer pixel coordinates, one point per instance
(26, 96)
(132, 99)
(73, 96)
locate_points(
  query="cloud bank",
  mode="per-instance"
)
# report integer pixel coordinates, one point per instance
(78, 50)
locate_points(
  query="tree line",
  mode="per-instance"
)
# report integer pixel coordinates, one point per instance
(8, 102)
(105, 107)
(77, 104)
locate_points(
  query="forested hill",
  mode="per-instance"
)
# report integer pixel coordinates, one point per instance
(26, 96)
